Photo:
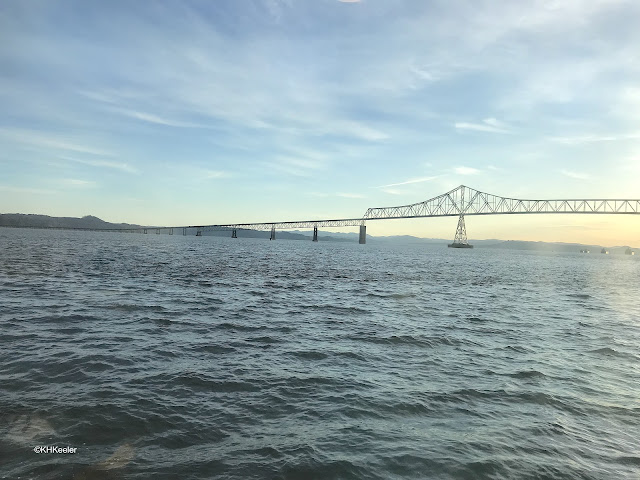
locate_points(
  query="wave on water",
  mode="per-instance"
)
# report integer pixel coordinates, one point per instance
(612, 352)
(423, 341)
(527, 374)
(164, 356)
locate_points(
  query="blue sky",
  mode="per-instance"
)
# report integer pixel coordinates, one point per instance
(178, 112)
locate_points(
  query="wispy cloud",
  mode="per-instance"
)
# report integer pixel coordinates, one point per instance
(409, 181)
(215, 174)
(580, 139)
(341, 194)
(301, 162)
(424, 74)
(575, 175)
(102, 163)
(489, 125)
(35, 138)
(350, 195)
(393, 191)
(288, 169)
(77, 182)
(156, 119)
(276, 9)
(466, 170)
(361, 131)
(299, 166)
(27, 190)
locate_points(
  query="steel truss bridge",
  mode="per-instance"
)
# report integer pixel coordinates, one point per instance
(459, 202)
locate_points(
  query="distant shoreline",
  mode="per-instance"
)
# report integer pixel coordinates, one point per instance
(98, 225)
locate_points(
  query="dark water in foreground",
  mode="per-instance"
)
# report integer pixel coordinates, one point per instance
(195, 358)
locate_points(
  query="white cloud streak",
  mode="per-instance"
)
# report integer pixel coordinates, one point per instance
(575, 175)
(488, 125)
(79, 183)
(342, 195)
(581, 139)
(48, 140)
(409, 181)
(466, 170)
(350, 195)
(298, 165)
(393, 191)
(156, 119)
(102, 163)
(27, 190)
(215, 174)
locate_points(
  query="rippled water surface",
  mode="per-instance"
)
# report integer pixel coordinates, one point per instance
(162, 356)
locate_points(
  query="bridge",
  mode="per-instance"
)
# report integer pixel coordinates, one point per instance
(459, 202)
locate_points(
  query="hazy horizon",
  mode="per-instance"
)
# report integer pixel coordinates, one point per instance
(372, 232)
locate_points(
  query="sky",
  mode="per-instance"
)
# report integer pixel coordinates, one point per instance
(200, 112)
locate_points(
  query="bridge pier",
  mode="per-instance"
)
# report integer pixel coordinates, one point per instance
(273, 233)
(157, 231)
(460, 240)
(184, 231)
(234, 233)
(363, 235)
(171, 231)
(315, 233)
(198, 233)
(145, 231)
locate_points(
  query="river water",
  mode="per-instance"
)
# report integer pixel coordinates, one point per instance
(160, 356)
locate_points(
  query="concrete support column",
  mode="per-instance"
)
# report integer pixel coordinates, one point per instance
(145, 230)
(273, 233)
(234, 233)
(315, 233)
(184, 231)
(171, 231)
(157, 231)
(363, 235)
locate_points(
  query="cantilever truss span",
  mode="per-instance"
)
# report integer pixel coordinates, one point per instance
(464, 200)
(461, 201)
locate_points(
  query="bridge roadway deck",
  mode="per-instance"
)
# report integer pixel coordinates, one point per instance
(461, 201)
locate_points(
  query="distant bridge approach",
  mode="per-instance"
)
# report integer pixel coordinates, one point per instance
(459, 202)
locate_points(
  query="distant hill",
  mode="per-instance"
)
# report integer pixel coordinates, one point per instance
(44, 221)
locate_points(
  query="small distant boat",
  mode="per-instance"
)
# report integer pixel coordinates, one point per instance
(605, 251)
